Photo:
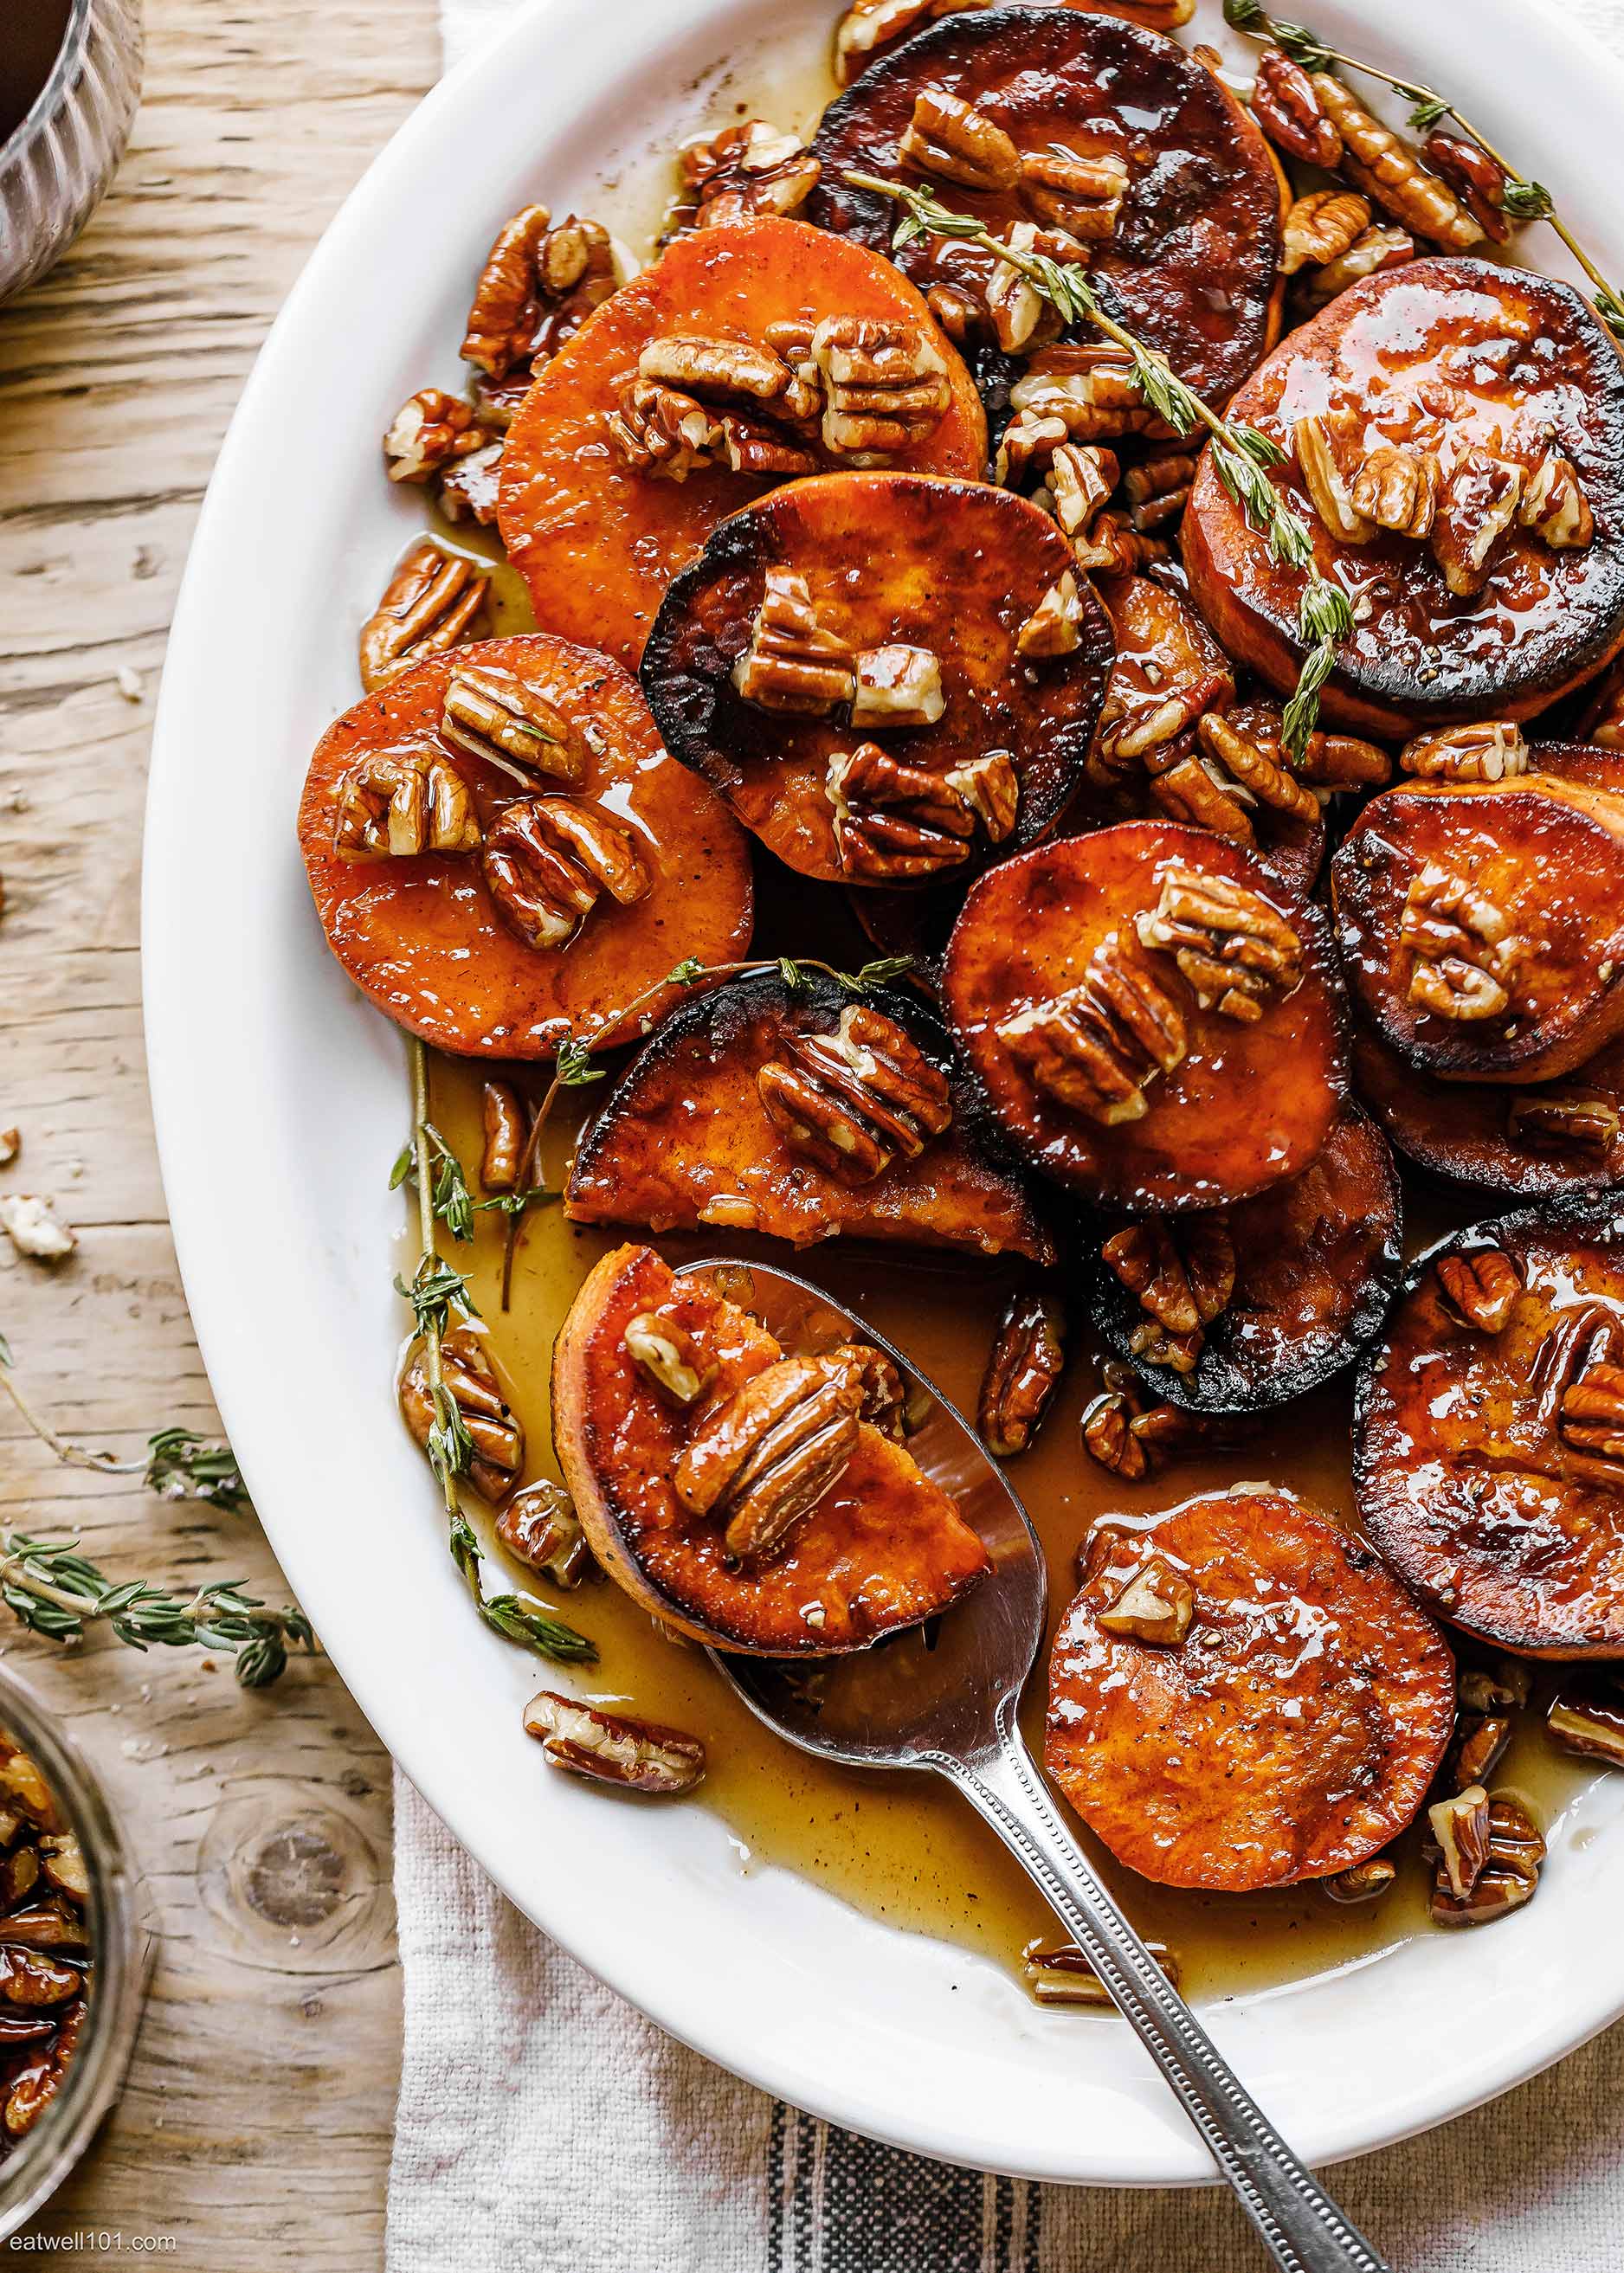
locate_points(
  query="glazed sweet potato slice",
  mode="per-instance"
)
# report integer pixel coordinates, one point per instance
(1454, 434)
(1156, 1019)
(739, 1495)
(1489, 1430)
(1108, 139)
(596, 533)
(1241, 1696)
(889, 678)
(1530, 1141)
(502, 853)
(1482, 927)
(1245, 1307)
(809, 1113)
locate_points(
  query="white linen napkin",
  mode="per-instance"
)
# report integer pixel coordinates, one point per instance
(545, 2127)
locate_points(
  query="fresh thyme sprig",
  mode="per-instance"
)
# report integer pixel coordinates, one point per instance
(1525, 200)
(434, 1291)
(178, 1464)
(1242, 455)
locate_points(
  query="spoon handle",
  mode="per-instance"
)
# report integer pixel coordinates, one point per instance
(1300, 2224)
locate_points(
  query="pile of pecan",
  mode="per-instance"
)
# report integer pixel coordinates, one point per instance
(45, 1976)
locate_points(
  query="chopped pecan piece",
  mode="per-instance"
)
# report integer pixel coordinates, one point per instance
(505, 1128)
(1497, 750)
(856, 1099)
(511, 724)
(1138, 725)
(1590, 1726)
(540, 1527)
(1480, 1289)
(897, 685)
(428, 605)
(539, 284)
(471, 1382)
(471, 490)
(1016, 309)
(429, 433)
(1478, 180)
(1334, 762)
(990, 786)
(871, 26)
(1196, 789)
(1377, 248)
(1504, 1686)
(1022, 1374)
(1236, 952)
(1328, 492)
(36, 2083)
(1361, 1882)
(1391, 175)
(1507, 1878)
(395, 807)
(1592, 1413)
(882, 1391)
(951, 139)
(1480, 1738)
(1108, 1437)
(1155, 1607)
(1057, 1973)
(1158, 489)
(1182, 1281)
(1463, 946)
(547, 860)
(958, 313)
(1054, 626)
(1566, 1116)
(1460, 1827)
(1254, 761)
(1096, 1048)
(644, 1756)
(1031, 438)
(1476, 505)
(894, 820)
(1082, 196)
(885, 385)
(793, 662)
(1092, 389)
(1077, 482)
(1397, 489)
(1553, 504)
(745, 171)
(1287, 105)
(765, 1456)
(666, 1351)
(1321, 227)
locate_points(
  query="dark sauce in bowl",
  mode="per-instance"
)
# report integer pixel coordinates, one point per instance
(30, 43)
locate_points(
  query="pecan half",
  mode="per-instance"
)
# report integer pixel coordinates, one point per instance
(548, 860)
(1494, 751)
(667, 435)
(870, 27)
(1091, 390)
(1022, 1374)
(1321, 227)
(540, 1527)
(1460, 1828)
(1236, 952)
(1155, 1607)
(429, 605)
(1149, 725)
(793, 662)
(1480, 1739)
(505, 1126)
(745, 171)
(1377, 248)
(766, 1455)
(886, 387)
(428, 433)
(1476, 505)
(1015, 308)
(511, 724)
(664, 1349)
(1054, 626)
(539, 284)
(1081, 197)
(719, 370)
(950, 140)
(1507, 1878)
(1031, 438)
(1328, 492)
(1480, 1289)
(1589, 1726)
(1592, 1415)
(1554, 506)
(1077, 481)
(1391, 175)
(1287, 105)
(36, 2083)
(1566, 1116)
(1158, 489)
(643, 1755)
(1096, 1048)
(1057, 1973)
(389, 807)
(1463, 946)
(471, 490)
(1397, 489)
(472, 1383)
(883, 1392)
(1182, 1281)
(1478, 180)
(894, 821)
(1250, 757)
(858, 1098)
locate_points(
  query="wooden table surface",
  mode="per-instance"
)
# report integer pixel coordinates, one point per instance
(255, 2126)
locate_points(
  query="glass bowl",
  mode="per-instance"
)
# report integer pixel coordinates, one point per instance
(55, 165)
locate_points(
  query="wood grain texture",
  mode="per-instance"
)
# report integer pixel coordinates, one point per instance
(256, 2124)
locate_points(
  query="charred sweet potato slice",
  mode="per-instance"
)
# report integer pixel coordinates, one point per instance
(1489, 1430)
(889, 676)
(1531, 1140)
(702, 1497)
(573, 824)
(1247, 1305)
(1156, 1019)
(1482, 927)
(1081, 125)
(595, 538)
(1241, 1697)
(807, 1115)
(1480, 409)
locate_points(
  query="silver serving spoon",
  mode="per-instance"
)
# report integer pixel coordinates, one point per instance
(946, 1704)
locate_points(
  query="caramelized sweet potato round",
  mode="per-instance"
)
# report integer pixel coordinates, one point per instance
(805, 1114)
(421, 933)
(597, 541)
(1489, 1430)
(1191, 259)
(1156, 1019)
(1481, 925)
(1248, 1305)
(1463, 367)
(880, 1548)
(889, 676)
(1289, 1731)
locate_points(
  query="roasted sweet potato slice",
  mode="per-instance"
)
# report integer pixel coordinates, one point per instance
(807, 1114)
(1489, 1430)
(1155, 1018)
(1481, 928)
(889, 676)
(595, 539)
(1082, 125)
(680, 1479)
(1480, 407)
(1281, 1719)
(1532, 1140)
(1248, 1305)
(421, 932)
